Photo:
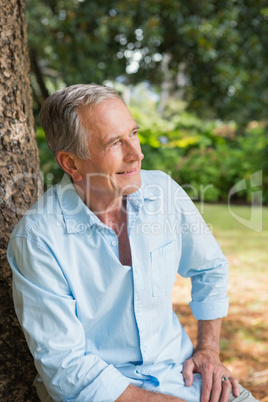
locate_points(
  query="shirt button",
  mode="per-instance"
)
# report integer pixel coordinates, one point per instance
(38, 349)
(114, 243)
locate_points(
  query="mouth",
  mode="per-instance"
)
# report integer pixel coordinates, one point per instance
(128, 171)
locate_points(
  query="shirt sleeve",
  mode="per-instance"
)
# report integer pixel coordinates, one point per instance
(47, 313)
(203, 261)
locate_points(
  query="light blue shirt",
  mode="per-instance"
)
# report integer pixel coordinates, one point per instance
(94, 325)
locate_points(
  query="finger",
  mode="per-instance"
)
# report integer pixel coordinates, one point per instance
(217, 385)
(235, 386)
(226, 390)
(187, 372)
(206, 383)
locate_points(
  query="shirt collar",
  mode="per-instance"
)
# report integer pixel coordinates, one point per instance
(78, 216)
(140, 195)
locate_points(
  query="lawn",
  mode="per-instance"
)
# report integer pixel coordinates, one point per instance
(244, 342)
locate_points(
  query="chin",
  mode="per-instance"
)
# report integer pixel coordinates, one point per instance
(130, 188)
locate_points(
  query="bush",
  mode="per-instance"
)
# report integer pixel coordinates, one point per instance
(206, 157)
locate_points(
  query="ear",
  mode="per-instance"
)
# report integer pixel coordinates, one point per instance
(68, 162)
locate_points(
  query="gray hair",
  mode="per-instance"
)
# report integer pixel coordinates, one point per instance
(60, 119)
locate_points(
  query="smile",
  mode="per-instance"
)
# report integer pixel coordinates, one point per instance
(127, 171)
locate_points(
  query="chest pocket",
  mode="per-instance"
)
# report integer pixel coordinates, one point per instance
(165, 262)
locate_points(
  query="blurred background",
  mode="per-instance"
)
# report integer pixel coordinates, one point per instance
(195, 77)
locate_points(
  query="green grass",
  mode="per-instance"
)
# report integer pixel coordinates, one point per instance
(247, 253)
(220, 216)
(237, 241)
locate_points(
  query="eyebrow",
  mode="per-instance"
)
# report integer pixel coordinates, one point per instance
(114, 139)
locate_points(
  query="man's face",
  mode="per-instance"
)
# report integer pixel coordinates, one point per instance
(115, 155)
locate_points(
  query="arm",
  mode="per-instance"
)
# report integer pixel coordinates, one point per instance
(133, 394)
(202, 260)
(47, 312)
(206, 361)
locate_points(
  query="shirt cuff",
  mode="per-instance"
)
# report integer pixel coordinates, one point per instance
(115, 386)
(107, 387)
(210, 310)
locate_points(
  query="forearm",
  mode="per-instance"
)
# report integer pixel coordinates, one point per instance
(133, 394)
(209, 335)
(206, 361)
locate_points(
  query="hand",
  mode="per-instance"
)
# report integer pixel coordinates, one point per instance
(207, 363)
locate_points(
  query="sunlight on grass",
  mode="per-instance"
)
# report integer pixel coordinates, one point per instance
(245, 249)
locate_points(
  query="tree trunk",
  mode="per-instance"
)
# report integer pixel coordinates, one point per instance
(19, 183)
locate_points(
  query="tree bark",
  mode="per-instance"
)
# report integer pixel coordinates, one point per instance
(19, 183)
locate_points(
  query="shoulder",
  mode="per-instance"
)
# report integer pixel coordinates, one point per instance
(160, 186)
(160, 181)
(42, 215)
(153, 177)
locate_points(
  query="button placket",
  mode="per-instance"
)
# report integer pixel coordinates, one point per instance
(137, 283)
(110, 237)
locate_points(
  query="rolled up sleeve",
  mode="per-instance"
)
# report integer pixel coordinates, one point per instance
(203, 261)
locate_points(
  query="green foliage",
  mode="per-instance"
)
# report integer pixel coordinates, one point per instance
(51, 171)
(214, 53)
(207, 157)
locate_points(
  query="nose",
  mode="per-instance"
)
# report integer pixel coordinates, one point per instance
(133, 152)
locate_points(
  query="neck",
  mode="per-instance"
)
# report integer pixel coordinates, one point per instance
(109, 210)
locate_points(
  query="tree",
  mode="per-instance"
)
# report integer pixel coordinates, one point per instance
(19, 165)
(220, 46)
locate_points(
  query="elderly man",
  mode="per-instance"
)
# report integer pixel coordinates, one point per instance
(94, 262)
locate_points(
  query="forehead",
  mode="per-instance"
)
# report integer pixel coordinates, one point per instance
(108, 115)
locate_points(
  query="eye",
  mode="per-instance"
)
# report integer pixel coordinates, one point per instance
(117, 142)
(134, 133)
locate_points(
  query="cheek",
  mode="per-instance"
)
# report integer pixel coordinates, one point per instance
(109, 165)
(114, 161)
